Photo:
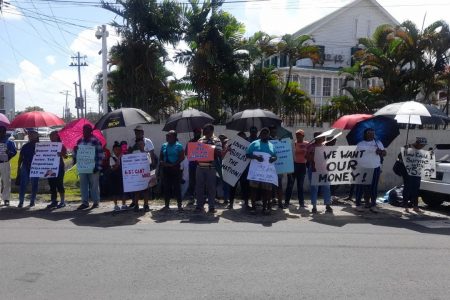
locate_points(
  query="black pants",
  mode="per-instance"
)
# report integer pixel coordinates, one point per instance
(411, 190)
(56, 185)
(172, 184)
(191, 187)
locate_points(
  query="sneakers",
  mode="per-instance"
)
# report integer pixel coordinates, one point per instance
(82, 206)
(146, 208)
(328, 209)
(32, 204)
(6, 202)
(52, 205)
(61, 205)
(116, 208)
(20, 205)
(95, 205)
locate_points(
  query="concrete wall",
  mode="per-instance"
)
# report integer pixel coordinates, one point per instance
(388, 178)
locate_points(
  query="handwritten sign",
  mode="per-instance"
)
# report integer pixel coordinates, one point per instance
(200, 152)
(420, 163)
(235, 161)
(262, 171)
(45, 163)
(285, 160)
(85, 159)
(135, 172)
(340, 165)
(3, 152)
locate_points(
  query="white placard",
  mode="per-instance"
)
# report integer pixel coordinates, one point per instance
(235, 161)
(419, 163)
(85, 159)
(46, 160)
(135, 172)
(285, 159)
(340, 165)
(262, 171)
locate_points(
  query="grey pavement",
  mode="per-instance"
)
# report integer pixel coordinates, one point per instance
(291, 254)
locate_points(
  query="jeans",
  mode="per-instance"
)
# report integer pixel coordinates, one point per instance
(89, 186)
(299, 175)
(24, 179)
(314, 189)
(369, 191)
(205, 179)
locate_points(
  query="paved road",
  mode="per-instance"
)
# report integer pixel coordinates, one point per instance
(288, 255)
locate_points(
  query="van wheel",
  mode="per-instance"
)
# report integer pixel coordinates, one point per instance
(433, 200)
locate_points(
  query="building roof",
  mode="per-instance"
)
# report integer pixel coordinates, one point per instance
(321, 22)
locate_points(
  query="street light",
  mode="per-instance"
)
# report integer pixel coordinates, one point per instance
(101, 33)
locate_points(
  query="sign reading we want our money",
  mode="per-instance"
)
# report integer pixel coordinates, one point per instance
(340, 165)
(46, 160)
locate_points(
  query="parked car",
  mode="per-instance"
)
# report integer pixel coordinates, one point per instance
(436, 190)
(43, 131)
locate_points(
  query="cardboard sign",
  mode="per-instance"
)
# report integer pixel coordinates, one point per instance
(235, 161)
(340, 165)
(3, 154)
(46, 160)
(200, 152)
(285, 159)
(420, 163)
(85, 159)
(262, 171)
(136, 172)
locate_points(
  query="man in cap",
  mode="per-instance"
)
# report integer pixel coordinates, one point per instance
(89, 181)
(192, 167)
(139, 135)
(7, 151)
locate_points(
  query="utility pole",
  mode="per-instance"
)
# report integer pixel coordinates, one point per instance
(77, 100)
(76, 62)
(101, 33)
(66, 111)
(85, 104)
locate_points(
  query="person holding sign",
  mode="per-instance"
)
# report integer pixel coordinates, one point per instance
(314, 189)
(140, 147)
(171, 156)
(57, 183)
(411, 183)
(24, 166)
(115, 176)
(263, 145)
(190, 193)
(375, 151)
(88, 155)
(149, 148)
(206, 171)
(7, 151)
(299, 170)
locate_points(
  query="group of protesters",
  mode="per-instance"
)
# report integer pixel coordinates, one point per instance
(203, 175)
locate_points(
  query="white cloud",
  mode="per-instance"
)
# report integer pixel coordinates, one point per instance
(10, 12)
(50, 59)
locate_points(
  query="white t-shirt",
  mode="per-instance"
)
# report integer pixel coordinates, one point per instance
(371, 159)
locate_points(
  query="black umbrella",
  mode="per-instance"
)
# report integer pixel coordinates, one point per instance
(386, 130)
(243, 120)
(187, 120)
(124, 117)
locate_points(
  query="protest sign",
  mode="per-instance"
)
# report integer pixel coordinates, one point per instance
(340, 165)
(235, 161)
(420, 163)
(200, 152)
(85, 159)
(285, 160)
(135, 172)
(45, 163)
(3, 152)
(262, 171)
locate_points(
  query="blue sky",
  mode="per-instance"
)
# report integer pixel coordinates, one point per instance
(38, 38)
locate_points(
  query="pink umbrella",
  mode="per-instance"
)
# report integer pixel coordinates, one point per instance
(4, 121)
(348, 121)
(73, 131)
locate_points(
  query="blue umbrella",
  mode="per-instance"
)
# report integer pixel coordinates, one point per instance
(386, 130)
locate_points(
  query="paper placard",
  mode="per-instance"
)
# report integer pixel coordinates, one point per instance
(85, 159)
(200, 152)
(46, 160)
(285, 159)
(235, 161)
(262, 171)
(135, 172)
(420, 163)
(340, 165)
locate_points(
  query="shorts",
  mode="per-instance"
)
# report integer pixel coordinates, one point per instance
(260, 185)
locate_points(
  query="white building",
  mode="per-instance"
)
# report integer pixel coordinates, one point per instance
(7, 99)
(337, 36)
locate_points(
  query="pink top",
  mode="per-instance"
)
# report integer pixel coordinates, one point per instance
(300, 152)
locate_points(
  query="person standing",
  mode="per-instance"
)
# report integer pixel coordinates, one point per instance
(411, 184)
(24, 166)
(277, 193)
(7, 151)
(89, 182)
(57, 183)
(149, 147)
(314, 189)
(299, 170)
(192, 167)
(116, 177)
(264, 189)
(206, 171)
(172, 154)
(369, 191)
(139, 147)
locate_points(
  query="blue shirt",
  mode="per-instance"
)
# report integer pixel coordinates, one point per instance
(259, 146)
(10, 146)
(27, 153)
(171, 153)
